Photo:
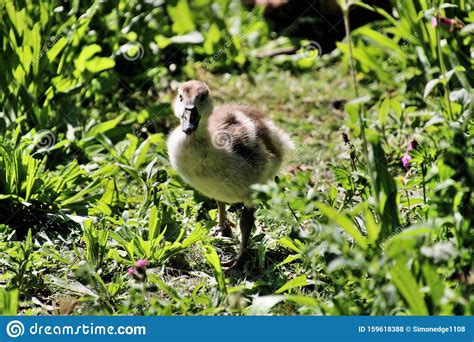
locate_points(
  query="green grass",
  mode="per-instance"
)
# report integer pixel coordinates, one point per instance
(185, 272)
(301, 107)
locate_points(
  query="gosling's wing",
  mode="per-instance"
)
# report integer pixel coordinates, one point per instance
(247, 132)
(231, 125)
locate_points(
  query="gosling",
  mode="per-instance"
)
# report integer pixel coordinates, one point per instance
(222, 152)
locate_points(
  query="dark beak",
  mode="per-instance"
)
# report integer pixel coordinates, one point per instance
(190, 120)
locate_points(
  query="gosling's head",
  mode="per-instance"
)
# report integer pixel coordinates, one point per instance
(193, 105)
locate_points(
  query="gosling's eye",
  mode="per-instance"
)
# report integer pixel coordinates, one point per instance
(203, 98)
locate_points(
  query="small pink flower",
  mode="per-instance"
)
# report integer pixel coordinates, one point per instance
(412, 145)
(138, 271)
(406, 157)
(132, 272)
(406, 160)
(448, 21)
(142, 263)
(454, 24)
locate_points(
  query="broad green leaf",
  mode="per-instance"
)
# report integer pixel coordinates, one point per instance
(396, 108)
(213, 37)
(430, 86)
(263, 305)
(400, 242)
(73, 286)
(35, 42)
(303, 300)
(140, 155)
(162, 285)
(352, 110)
(407, 286)
(56, 49)
(64, 84)
(104, 127)
(344, 222)
(153, 230)
(215, 263)
(110, 195)
(18, 18)
(98, 64)
(8, 301)
(383, 111)
(197, 234)
(296, 282)
(294, 245)
(385, 190)
(435, 282)
(86, 54)
(81, 194)
(380, 39)
(373, 228)
(180, 14)
(162, 41)
(290, 258)
(131, 148)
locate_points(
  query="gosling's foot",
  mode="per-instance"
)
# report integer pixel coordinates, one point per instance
(238, 263)
(228, 263)
(224, 230)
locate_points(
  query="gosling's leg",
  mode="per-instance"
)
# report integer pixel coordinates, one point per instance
(247, 220)
(224, 225)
